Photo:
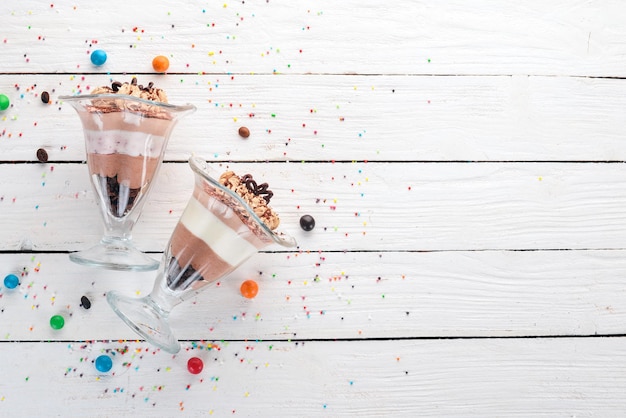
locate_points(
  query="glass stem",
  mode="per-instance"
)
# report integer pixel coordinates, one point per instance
(161, 299)
(119, 234)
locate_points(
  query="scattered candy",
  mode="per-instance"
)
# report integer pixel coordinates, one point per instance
(11, 281)
(244, 132)
(4, 102)
(307, 222)
(85, 302)
(195, 365)
(249, 289)
(45, 97)
(42, 155)
(57, 322)
(160, 63)
(103, 363)
(98, 57)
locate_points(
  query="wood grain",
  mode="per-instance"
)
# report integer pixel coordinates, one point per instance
(385, 118)
(516, 377)
(464, 164)
(483, 37)
(357, 206)
(340, 295)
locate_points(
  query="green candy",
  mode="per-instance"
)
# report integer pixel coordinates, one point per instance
(57, 322)
(4, 102)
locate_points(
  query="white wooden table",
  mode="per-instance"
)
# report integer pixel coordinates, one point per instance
(464, 164)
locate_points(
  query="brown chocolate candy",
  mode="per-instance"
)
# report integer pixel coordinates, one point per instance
(42, 155)
(244, 132)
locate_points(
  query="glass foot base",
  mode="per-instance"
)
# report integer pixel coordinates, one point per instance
(142, 315)
(115, 256)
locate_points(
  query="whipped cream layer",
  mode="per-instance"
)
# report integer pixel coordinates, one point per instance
(125, 133)
(217, 232)
(124, 142)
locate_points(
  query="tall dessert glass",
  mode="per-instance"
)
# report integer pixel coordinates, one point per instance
(216, 233)
(125, 139)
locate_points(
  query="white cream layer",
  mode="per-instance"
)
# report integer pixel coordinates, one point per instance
(123, 142)
(224, 241)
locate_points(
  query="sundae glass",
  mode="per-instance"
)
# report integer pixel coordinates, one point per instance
(225, 222)
(126, 130)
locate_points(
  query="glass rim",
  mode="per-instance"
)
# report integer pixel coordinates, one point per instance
(128, 97)
(201, 167)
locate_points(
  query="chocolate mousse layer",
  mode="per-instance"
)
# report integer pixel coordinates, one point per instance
(192, 261)
(133, 172)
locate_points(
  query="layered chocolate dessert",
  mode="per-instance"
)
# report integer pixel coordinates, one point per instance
(124, 140)
(216, 233)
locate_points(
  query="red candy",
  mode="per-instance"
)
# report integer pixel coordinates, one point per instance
(195, 365)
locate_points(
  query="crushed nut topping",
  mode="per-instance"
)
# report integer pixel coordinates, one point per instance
(150, 93)
(132, 89)
(256, 196)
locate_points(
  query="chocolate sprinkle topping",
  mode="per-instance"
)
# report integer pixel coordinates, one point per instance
(258, 190)
(116, 86)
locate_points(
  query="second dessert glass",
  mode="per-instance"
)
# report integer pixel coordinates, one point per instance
(216, 233)
(125, 139)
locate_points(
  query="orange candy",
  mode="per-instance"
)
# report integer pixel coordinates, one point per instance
(249, 289)
(160, 64)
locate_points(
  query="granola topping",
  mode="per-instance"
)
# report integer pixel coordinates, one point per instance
(256, 196)
(149, 92)
(132, 89)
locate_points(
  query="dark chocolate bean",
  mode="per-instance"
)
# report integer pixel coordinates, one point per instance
(85, 302)
(42, 155)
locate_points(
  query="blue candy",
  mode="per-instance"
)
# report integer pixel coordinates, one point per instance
(11, 281)
(104, 363)
(98, 57)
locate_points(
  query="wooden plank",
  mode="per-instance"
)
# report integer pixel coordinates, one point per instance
(338, 295)
(401, 37)
(382, 118)
(482, 378)
(357, 206)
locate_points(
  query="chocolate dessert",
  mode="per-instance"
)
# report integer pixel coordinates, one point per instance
(216, 233)
(124, 141)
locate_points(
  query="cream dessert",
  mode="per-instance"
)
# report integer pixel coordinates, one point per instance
(124, 141)
(225, 222)
(216, 233)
